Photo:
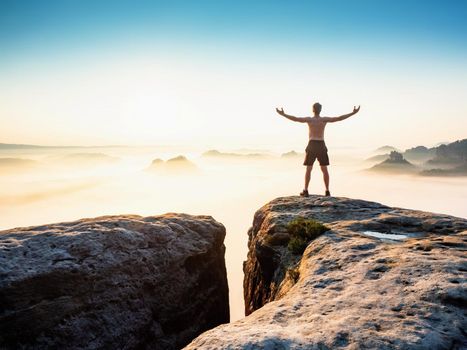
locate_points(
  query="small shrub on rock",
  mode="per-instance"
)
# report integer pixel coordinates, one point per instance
(297, 245)
(301, 232)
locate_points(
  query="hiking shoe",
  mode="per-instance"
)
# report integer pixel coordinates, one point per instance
(304, 193)
(327, 194)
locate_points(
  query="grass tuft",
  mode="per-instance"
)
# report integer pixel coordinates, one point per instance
(301, 232)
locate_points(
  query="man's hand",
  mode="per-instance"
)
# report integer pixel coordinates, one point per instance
(342, 117)
(280, 111)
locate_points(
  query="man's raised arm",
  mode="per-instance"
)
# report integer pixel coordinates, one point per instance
(291, 117)
(342, 117)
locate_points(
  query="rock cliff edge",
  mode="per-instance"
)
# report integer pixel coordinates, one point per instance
(379, 278)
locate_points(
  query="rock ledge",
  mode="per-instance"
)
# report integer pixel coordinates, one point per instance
(117, 282)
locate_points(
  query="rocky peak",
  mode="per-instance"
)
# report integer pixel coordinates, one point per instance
(379, 278)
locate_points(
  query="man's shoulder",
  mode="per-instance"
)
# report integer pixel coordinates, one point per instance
(318, 119)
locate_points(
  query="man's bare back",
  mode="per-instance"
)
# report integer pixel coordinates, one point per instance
(316, 127)
(316, 148)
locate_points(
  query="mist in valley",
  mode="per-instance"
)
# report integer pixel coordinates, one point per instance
(46, 185)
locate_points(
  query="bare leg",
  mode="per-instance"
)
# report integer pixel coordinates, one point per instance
(324, 169)
(307, 176)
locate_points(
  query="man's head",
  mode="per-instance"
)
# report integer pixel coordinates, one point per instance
(317, 108)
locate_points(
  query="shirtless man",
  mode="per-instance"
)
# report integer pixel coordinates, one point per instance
(316, 147)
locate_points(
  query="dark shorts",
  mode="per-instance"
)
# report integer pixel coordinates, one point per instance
(316, 149)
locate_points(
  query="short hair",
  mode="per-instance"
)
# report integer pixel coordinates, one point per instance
(317, 107)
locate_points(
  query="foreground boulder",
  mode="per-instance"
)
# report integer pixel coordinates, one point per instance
(350, 290)
(113, 282)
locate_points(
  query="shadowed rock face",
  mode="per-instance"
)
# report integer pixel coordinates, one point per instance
(114, 282)
(349, 290)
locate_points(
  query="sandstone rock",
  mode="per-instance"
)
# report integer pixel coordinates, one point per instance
(350, 290)
(113, 282)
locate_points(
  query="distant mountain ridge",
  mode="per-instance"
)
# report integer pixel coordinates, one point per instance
(5, 146)
(175, 165)
(216, 153)
(419, 153)
(291, 154)
(455, 152)
(386, 149)
(456, 171)
(395, 163)
(450, 159)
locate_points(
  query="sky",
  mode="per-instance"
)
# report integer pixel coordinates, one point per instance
(210, 73)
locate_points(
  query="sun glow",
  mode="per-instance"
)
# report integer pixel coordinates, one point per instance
(167, 101)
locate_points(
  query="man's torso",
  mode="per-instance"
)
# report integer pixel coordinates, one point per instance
(316, 127)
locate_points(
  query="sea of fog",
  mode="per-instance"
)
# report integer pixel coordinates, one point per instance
(46, 185)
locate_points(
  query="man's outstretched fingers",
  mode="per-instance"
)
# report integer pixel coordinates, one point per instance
(280, 111)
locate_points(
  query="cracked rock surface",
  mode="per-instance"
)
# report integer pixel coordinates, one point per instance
(112, 282)
(350, 290)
